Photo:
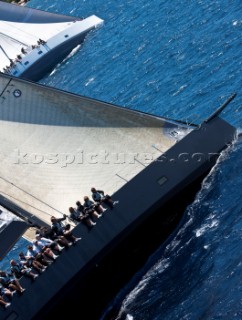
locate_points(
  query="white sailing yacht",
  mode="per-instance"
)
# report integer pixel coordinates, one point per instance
(32, 42)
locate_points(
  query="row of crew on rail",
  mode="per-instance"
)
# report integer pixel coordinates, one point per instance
(48, 245)
(19, 57)
(28, 265)
(90, 210)
(39, 255)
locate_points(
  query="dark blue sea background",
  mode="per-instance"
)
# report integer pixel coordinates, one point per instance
(179, 59)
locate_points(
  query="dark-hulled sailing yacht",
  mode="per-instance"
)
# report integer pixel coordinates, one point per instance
(55, 149)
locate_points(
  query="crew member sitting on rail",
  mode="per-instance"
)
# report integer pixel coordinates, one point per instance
(10, 282)
(18, 58)
(62, 230)
(23, 51)
(98, 207)
(91, 208)
(41, 247)
(47, 232)
(3, 302)
(38, 255)
(78, 214)
(30, 262)
(75, 215)
(6, 295)
(48, 243)
(99, 197)
(20, 270)
(86, 218)
(40, 41)
(11, 63)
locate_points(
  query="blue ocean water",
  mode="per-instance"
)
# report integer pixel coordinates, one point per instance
(179, 59)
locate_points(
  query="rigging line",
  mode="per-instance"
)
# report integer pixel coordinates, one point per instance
(31, 195)
(13, 39)
(5, 53)
(9, 44)
(5, 87)
(10, 25)
(2, 192)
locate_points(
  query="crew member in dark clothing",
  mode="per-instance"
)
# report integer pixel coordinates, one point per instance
(99, 197)
(31, 262)
(40, 41)
(23, 51)
(90, 208)
(9, 281)
(20, 270)
(47, 232)
(75, 215)
(80, 215)
(61, 230)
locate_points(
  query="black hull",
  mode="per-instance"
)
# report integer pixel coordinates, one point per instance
(93, 292)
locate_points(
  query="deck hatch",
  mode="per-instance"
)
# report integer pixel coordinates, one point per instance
(162, 180)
